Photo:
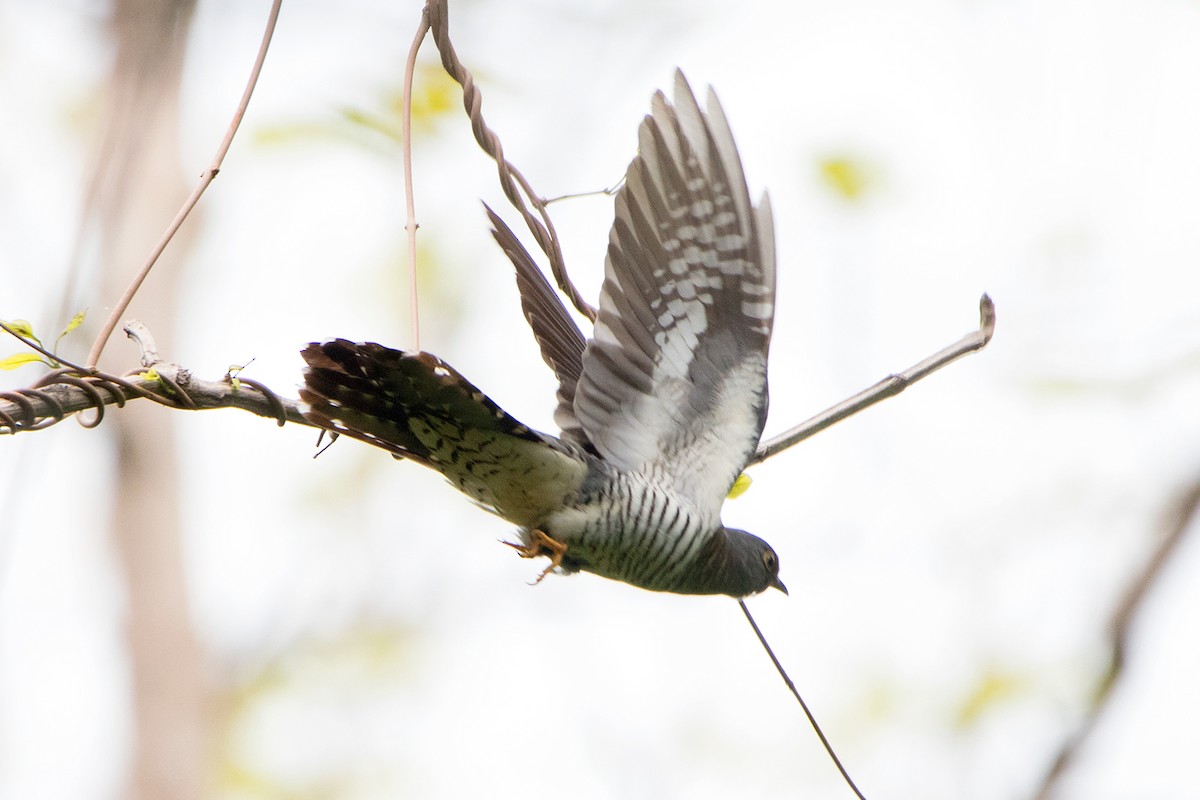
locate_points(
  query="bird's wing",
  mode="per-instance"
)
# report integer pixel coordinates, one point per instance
(416, 406)
(557, 335)
(675, 377)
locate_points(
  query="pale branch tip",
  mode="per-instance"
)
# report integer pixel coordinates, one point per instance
(987, 318)
(141, 336)
(888, 387)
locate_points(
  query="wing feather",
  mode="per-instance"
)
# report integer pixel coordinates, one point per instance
(557, 335)
(674, 378)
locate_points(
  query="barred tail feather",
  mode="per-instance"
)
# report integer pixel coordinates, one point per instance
(416, 406)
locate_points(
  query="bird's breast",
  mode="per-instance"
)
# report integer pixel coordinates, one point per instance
(631, 530)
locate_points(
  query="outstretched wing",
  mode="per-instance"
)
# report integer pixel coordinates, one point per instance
(675, 377)
(416, 406)
(557, 335)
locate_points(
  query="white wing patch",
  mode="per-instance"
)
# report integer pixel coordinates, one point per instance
(674, 378)
(720, 432)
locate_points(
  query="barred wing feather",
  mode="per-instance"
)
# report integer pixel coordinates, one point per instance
(674, 379)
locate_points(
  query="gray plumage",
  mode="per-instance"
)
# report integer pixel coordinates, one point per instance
(660, 410)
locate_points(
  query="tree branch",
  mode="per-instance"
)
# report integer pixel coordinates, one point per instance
(69, 390)
(890, 386)
(1177, 522)
(437, 13)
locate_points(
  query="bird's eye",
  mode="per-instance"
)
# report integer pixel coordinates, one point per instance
(770, 561)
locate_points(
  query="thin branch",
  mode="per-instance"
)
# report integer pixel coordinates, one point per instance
(37, 407)
(609, 192)
(70, 390)
(206, 178)
(31, 344)
(812, 720)
(510, 177)
(888, 387)
(1178, 522)
(410, 227)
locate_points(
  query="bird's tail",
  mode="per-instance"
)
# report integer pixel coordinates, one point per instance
(416, 406)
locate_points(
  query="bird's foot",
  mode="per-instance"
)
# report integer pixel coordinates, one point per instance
(540, 544)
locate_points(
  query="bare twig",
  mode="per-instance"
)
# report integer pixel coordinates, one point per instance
(888, 387)
(410, 226)
(812, 720)
(1178, 521)
(142, 337)
(510, 177)
(206, 178)
(609, 192)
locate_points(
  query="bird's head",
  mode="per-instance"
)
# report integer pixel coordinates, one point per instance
(735, 563)
(754, 562)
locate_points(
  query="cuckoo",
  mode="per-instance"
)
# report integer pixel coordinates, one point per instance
(659, 411)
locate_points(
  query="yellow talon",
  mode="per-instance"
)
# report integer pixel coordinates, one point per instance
(541, 545)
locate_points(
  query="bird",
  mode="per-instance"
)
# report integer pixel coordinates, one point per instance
(659, 411)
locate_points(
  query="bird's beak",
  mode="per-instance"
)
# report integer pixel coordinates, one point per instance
(778, 584)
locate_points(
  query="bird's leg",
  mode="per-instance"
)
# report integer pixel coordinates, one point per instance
(541, 544)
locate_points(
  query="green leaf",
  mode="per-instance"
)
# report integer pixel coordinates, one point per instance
(75, 322)
(23, 328)
(19, 360)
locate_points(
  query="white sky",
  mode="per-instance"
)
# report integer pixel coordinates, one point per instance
(981, 525)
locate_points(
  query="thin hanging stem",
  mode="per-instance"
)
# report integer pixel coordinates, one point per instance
(795, 693)
(206, 178)
(410, 226)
